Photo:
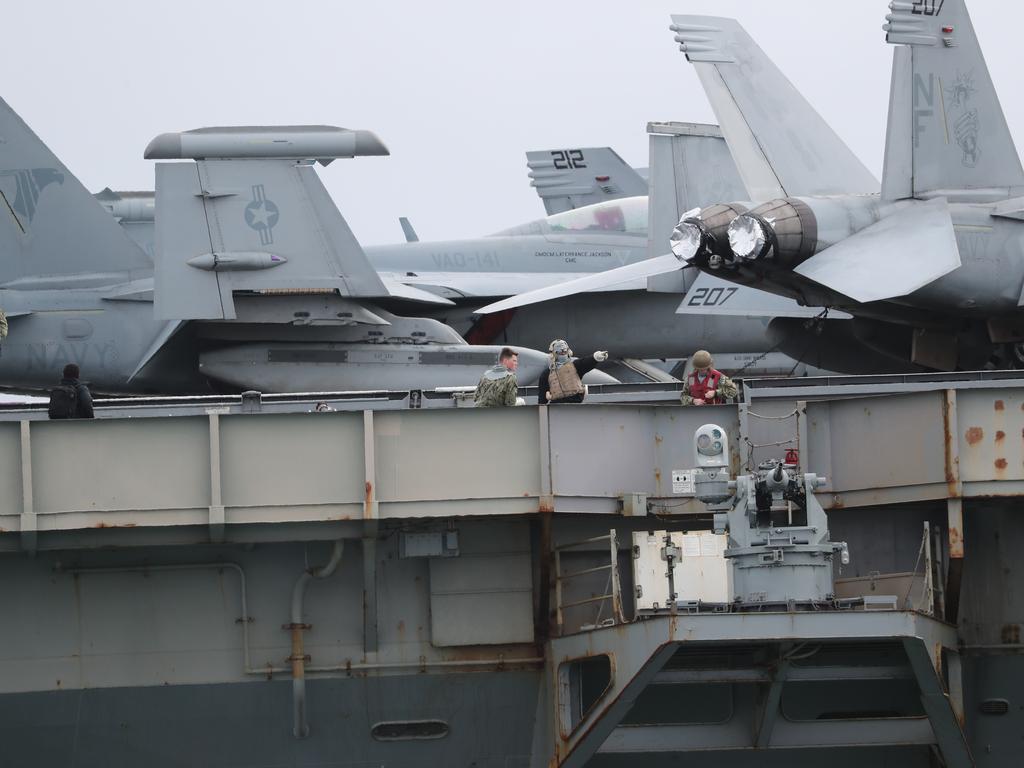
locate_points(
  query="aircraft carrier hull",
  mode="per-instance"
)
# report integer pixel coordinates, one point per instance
(490, 716)
(228, 583)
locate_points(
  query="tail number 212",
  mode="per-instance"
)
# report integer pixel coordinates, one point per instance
(565, 159)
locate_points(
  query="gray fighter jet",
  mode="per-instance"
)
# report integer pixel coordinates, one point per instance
(601, 224)
(930, 263)
(237, 268)
(931, 266)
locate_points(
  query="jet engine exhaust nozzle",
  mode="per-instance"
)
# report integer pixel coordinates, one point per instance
(700, 236)
(751, 238)
(783, 231)
(689, 238)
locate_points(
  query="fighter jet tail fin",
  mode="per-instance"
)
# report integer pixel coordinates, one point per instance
(946, 127)
(690, 167)
(408, 230)
(50, 225)
(244, 223)
(572, 178)
(781, 145)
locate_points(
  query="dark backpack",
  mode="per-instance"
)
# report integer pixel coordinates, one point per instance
(63, 401)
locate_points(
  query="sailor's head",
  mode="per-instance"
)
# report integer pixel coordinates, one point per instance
(509, 358)
(702, 360)
(71, 371)
(559, 349)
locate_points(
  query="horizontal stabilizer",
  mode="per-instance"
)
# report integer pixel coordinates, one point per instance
(893, 257)
(611, 279)
(779, 142)
(572, 178)
(1010, 209)
(710, 295)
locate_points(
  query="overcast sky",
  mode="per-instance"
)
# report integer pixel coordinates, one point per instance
(457, 90)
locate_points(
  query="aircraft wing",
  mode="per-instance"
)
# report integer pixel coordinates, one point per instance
(460, 285)
(781, 145)
(624, 278)
(711, 295)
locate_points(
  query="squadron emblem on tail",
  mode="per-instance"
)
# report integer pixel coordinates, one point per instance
(29, 184)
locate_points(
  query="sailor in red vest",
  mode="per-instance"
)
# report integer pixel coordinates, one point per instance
(705, 385)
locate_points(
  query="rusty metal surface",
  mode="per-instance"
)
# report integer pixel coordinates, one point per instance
(303, 468)
(226, 471)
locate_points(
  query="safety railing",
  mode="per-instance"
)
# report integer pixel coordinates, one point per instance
(612, 590)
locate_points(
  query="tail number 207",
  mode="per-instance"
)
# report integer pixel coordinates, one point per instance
(710, 297)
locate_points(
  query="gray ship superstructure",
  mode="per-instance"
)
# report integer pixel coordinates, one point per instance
(260, 582)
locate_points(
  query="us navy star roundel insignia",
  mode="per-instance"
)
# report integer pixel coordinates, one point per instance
(262, 214)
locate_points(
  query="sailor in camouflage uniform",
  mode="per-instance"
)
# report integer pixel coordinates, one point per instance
(705, 385)
(498, 385)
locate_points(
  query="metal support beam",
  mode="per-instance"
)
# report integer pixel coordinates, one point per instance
(803, 437)
(761, 675)
(370, 504)
(370, 634)
(597, 727)
(769, 711)
(954, 674)
(954, 506)
(216, 523)
(545, 555)
(954, 574)
(945, 725)
(28, 513)
(722, 738)
(546, 503)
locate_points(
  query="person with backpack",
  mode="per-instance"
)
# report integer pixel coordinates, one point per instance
(563, 381)
(70, 399)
